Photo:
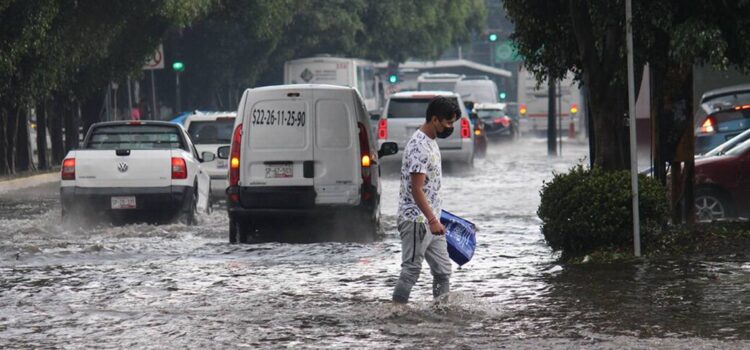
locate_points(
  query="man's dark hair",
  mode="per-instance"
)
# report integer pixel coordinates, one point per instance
(442, 107)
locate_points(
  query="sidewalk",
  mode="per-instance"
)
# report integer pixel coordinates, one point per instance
(8, 184)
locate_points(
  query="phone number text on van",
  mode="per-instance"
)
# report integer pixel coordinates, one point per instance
(278, 117)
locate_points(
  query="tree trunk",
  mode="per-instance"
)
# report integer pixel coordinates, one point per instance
(23, 149)
(12, 146)
(72, 121)
(41, 135)
(4, 166)
(56, 130)
(91, 111)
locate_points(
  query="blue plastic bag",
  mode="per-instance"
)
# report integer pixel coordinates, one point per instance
(461, 236)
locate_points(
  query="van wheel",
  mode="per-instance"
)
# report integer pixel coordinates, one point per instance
(239, 231)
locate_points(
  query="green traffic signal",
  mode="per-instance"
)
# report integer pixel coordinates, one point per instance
(503, 95)
(393, 78)
(178, 66)
(493, 37)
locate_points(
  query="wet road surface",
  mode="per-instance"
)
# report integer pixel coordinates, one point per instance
(176, 286)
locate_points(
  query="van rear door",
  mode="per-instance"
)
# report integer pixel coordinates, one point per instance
(277, 152)
(338, 176)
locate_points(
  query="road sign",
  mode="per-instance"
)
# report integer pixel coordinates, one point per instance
(506, 52)
(156, 60)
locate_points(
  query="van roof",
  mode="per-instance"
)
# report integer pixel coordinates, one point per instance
(302, 87)
(489, 106)
(729, 90)
(423, 94)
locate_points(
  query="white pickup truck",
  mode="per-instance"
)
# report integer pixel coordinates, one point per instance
(135, 169)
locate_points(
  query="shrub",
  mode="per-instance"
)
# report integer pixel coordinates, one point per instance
(588, 209)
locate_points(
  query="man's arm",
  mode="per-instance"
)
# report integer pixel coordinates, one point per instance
(417, 183)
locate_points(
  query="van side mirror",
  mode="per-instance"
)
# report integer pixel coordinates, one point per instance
(223, 152)
(387, 149)
(207, 156)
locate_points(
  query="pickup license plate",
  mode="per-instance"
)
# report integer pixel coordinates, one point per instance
(279, 171)
(127, 202)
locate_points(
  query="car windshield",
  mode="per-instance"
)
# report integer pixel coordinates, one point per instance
(409, 107)
(135, 137)
(437, 86)
(490, 113)
(726, 146)
(211, 132)
(739, 149)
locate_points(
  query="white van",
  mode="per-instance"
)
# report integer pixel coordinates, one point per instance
(209, 131)
(303, 151)
(477, 89)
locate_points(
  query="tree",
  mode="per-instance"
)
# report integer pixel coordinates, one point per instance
(588, 38)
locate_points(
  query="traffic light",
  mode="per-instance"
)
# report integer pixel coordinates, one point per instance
(393, 78)
(503, 95)
(492, 37)
(178, 66)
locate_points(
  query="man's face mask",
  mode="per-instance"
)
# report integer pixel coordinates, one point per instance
(447, 130)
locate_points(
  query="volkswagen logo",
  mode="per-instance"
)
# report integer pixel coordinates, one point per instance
(122, 167)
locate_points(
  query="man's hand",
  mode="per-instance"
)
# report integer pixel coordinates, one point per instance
(437, 228)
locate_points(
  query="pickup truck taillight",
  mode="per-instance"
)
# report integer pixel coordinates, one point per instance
(465, 128)
(69, 169)
(383, 129)
(234, 156)
(179, 169)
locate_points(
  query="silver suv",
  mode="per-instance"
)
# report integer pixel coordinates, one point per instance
(405, 112)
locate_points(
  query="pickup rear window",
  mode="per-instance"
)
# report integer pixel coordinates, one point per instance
(138, 137)
(410, 107)
(211, 132)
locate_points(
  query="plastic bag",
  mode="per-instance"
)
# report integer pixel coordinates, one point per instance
(461, 237)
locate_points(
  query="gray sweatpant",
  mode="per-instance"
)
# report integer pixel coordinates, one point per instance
(417, 244)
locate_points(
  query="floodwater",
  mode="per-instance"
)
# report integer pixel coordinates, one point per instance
(175, 286)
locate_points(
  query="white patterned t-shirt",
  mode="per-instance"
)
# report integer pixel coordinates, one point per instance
(421, 155)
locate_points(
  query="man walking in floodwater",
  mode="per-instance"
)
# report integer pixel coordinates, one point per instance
(422, 234)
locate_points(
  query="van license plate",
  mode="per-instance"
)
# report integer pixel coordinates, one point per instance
(279, 171)
(127, 202)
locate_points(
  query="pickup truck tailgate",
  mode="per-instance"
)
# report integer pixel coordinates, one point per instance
(139, 168)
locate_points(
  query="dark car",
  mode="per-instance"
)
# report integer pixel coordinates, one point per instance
(723, 114)
(497, 124)
(722, 184)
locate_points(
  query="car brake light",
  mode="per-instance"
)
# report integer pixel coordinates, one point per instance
(364, 151)
(179, 169)
(234, 162)
(573, 108)
(708, 126)
(69, 169)
(478, 132)
(383, 129)
(465, 128)
(522, 109)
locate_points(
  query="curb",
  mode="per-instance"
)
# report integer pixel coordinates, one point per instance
(29, 181)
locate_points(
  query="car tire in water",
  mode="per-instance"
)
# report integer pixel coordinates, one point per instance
(711, 204)
(189, 217)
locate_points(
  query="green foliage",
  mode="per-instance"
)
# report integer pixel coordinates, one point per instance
(588, 209)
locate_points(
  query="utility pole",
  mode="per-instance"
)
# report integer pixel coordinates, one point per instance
(632, 126)
(551, 125)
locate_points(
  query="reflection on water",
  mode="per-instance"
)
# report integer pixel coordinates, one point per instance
(184, 287)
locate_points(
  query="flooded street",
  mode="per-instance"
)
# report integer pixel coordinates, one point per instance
(176, 286)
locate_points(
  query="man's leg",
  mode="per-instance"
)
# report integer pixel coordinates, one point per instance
(436, 255)
(412, 253)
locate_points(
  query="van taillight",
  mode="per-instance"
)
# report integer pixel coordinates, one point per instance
(465, 128)
(383, 129)
(179, 169)
(234, 158)
(708, 126)
(522, 109)
(366, 159)
(69, 169)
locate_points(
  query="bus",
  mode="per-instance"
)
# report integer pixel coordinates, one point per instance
(352, 72)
